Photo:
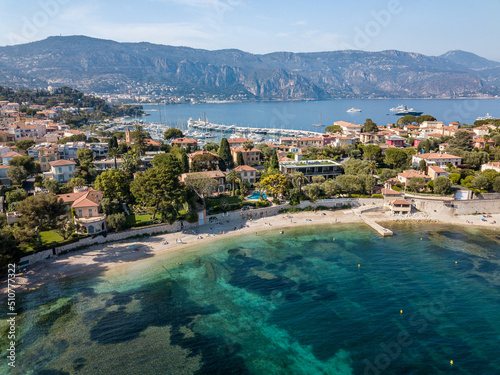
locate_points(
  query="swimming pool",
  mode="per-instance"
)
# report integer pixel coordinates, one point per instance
(256, 195)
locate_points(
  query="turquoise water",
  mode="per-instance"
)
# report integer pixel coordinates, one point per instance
(256, 195)
(321, 300)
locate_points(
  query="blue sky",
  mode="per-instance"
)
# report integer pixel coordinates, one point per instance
(424, 26)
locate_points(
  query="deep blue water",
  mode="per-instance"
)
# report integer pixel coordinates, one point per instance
(301, 115)
(324, 300)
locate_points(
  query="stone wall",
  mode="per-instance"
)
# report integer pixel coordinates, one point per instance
(487, 196)
(457, 207)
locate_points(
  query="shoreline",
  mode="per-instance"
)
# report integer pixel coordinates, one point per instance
(117, 257)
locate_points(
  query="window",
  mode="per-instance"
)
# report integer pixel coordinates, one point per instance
(90, 212)
(245, 174)
(60, 169)
(221, 181)
(44, 160)
(80, 213)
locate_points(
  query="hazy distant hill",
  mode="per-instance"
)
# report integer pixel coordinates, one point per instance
(96, 65)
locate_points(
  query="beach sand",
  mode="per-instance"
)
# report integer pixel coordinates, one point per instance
(120, 257)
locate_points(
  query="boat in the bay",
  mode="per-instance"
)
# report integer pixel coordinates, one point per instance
(487, 117)
(353, 110)
(408, 111)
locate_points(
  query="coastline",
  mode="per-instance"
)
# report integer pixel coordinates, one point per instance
(119, 257)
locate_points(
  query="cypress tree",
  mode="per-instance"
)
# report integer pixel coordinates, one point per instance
(239, 158)
(185, 163)
(273, 163)
(225, 154)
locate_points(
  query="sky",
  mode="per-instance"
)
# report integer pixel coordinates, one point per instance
(430, 27)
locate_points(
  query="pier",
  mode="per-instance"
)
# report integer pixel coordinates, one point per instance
(384, 232)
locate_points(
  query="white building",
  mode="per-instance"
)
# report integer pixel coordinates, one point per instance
(439, 159)
(62, 170)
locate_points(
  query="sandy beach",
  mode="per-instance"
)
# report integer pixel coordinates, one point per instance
(119, 256)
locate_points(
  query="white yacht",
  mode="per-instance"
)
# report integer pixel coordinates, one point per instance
(352, 110)
(399, 108)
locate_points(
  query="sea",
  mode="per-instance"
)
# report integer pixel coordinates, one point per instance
(302, 115)
(315, 300)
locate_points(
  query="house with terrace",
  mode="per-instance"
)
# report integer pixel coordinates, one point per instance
(84, 207)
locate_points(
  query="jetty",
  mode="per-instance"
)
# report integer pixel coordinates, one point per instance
(384, 232)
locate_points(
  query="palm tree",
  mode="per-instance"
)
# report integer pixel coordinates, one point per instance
(114, 153)
(298, 179)
(232, 177)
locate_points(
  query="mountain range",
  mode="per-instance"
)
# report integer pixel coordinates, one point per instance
(105, 66)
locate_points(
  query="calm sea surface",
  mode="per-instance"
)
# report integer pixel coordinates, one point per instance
(298, 303)
(302, 115)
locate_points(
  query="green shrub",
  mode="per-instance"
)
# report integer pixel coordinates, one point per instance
(192, 217)
(396, 188)
(276, 201)
(377, 196)
(262, 203)
(237, 192)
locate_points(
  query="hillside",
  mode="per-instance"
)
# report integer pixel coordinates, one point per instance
(95, 65)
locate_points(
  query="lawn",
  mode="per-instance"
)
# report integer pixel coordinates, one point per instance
(138, 220)
(212, 202)
(48, 237)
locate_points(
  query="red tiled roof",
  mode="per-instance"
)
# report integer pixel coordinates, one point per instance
(432, 156)
(244, 168)
(401, 201)
(11, 154)
(61, 162)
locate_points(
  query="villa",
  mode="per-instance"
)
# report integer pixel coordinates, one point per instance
(310, 168)
(439, 159)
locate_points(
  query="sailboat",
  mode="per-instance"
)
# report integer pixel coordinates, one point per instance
(320, 120)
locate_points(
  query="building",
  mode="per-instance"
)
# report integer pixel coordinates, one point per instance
(250, 156)
(372, 137)
(8, 156)
(217, 175)
(439, 159)
(47, 155)
(349, 129)
(238, 142)
(395, 141)
(84, 205)
(62, 170)
(491, 165)
(400, 207)
(105, 164)
(310, 168)
(247, 173)
(3, 175)
(187, 143)
(405, 176)
(434, 171)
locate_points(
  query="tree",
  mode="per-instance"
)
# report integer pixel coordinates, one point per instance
(244, 187)
(202, 185)
(113, 183)
(330, 187)
(312, 191)
(406, 120)
(111, 206)
(354, 167)
(372, 152)
(274, 184)
(333, 129)
(24, 145)
(30, 165)
(9, 251)
(225, 154)
(350, 184)
(395, 157)
(416, 184)
(422, 165)
(247, 145)
(65, 228)
(114, 153)
(265, 150)
(421, 119)
(239, 158)
(204, 162)
(14, 196)
(232, 177)
(130, 162)
(386, 174)
(297, 179)
(490, 174)
(116, 222)
(475, 158)
(496, 185)
(496, 139)
(318, 179)
(442, 185)
(369, 183)
(211, 147)
(461, 140)
(172, 133)
(39, 211)
(455, 178)
(51, 185)
(273, 162)
(370, 126)
(17, 174)
(481, 183)
(139, 137)
(160, 189)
